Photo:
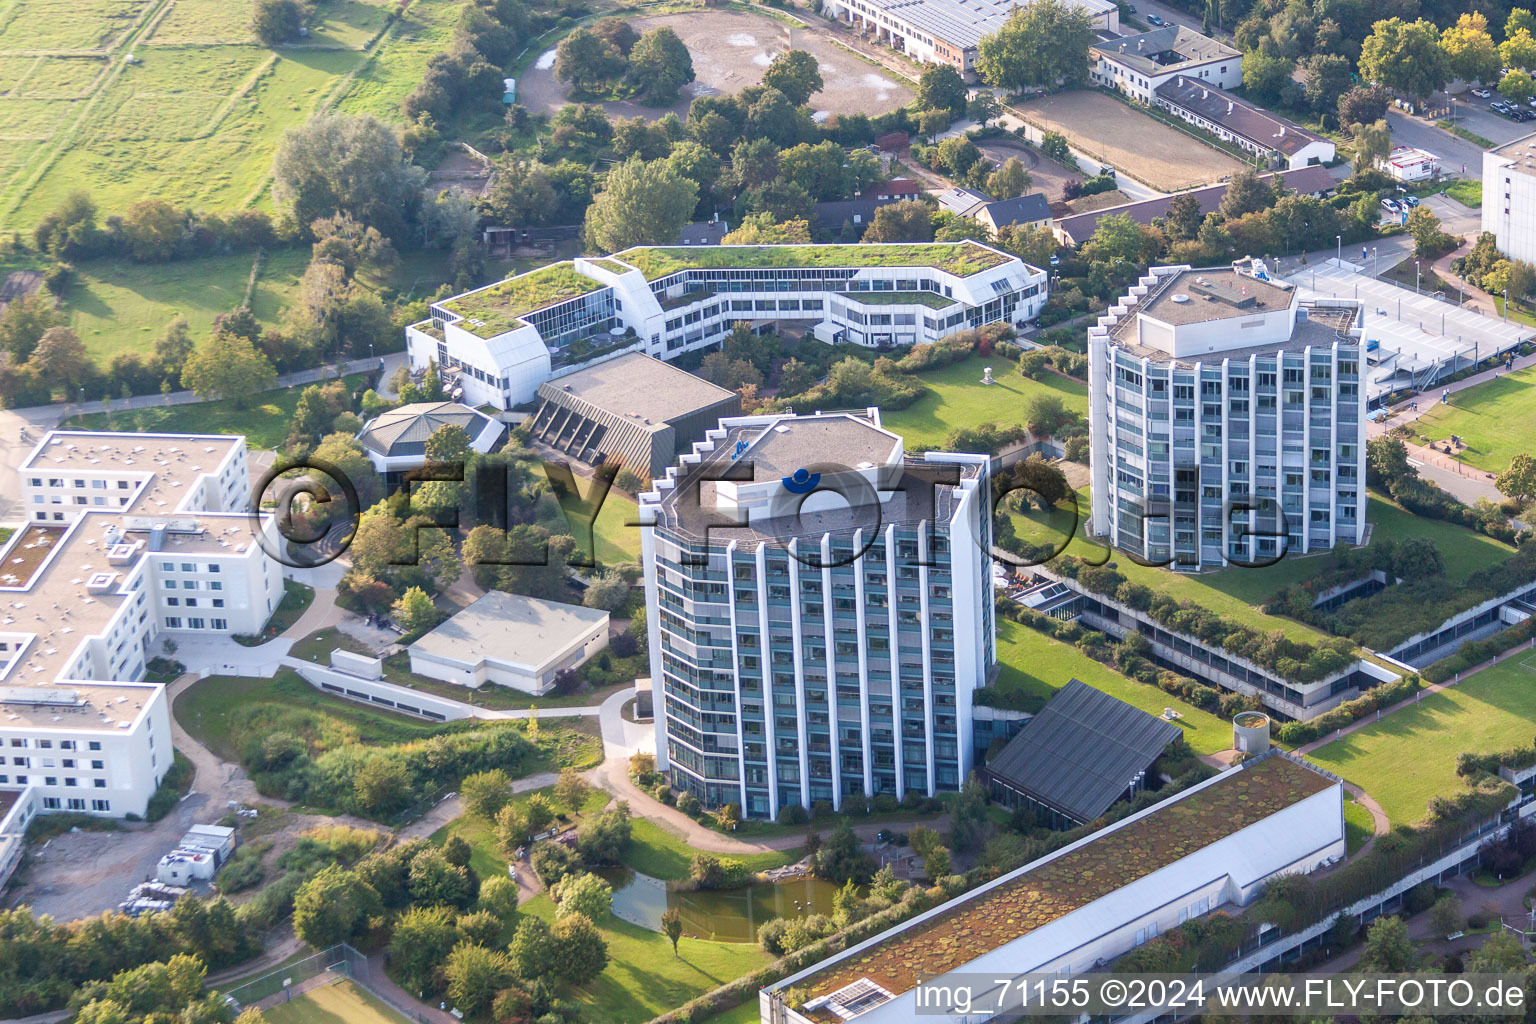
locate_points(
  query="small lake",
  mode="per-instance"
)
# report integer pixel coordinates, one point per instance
(732, 916)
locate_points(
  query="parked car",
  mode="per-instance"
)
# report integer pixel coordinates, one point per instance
(1155, 21)
(1390, 205)
(1522, 115)
(1410, 201)
(1482, 94)
(1498, 105)
(1055, 261)
(1130, 8)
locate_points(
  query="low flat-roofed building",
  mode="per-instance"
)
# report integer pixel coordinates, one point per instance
(1214, 845)
(634, 410)
(396, 441)
(1407, 163)
(510, 640)
(1080, 755)
(1137, 65)
(1237, 121)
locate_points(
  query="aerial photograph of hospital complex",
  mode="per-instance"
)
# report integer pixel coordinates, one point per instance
(767, 511)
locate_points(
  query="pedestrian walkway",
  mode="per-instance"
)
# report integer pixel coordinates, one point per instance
(1405, 414)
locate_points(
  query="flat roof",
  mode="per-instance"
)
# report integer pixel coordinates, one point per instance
(1219, 293)
(795, 442)
(1082, 751)
(964, 22)
(511, 629)
(959, 258)
(49, 705)
(498, 308)
(641, 388)
(1148, 52)
(1045, 892)
(1521, 150)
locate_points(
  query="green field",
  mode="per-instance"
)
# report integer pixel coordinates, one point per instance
(1037, 664)
(643, 978)
(485, 855)
(1465, 551)
(342, 1002)
(1467, 192)
(959, 400)
(1410, 756)
(1496, 420)
(196, 118)
(1358, 825)
(118, 306)
(657, 852)
(616, 534)
(264, 421)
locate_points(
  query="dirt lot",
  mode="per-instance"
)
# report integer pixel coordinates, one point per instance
(1047, 175)
(730, 52)
(1146, 149)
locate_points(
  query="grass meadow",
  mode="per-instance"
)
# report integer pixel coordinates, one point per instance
(1496, 420)
(959, 400)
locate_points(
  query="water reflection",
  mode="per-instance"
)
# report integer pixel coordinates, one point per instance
(733, 916)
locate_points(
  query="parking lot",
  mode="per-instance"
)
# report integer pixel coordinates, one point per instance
(1473, 113)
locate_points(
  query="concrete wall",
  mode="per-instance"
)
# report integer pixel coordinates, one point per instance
(399, 698)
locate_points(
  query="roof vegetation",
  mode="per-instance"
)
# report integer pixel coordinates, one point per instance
(612, 266)
(959, 258)
(1075, 879)
(499, 307)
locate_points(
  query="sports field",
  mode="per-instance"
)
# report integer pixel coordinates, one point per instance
(1410, 756)
(341, 1003)
(1496, 420)
(173, 99)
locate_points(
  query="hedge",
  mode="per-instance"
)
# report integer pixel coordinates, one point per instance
(1296, 733)
(1475, 652)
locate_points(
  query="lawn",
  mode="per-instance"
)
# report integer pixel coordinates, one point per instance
(317, 646)
(264, 420)
(1467, 191)
(1496, 420)
(1465, 551)
(118, 306)
(1358, 826)
(1410, 756)
(343, 1002)
(643, 978)
(960, 401)
(1038, 664)
(616, 534)
(657, 852)
(486, 856)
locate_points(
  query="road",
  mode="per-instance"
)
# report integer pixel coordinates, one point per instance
(1174, 16)
(1452, 150)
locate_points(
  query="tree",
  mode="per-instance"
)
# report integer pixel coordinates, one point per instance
(337, 163)
(153, 230)
(672, 926)
(61, 357)
(1372, 143)
(1246, 193)
(1424, 226)
(345, 453)
(1469, 51)
(1388, 949)
(1446, 917)
(818, 169)
(1386, 461)
(448, 445)
(586, 59)
(537, 813)
(276, 21)
(1405, 56)
(228, 367)
(941, 88)
(1520, 19)
(1417, 558)
(584, 894)
(25, 322)
(930, 846)
(1327, 79)
(1265, 75)
(415, 612)
(1519, 50)
(422, 939)
(1040, 46)
(958, 155)
(1363, 105)
(1519, 480)
(498, 895)
(1518, 86)
(602, 840)
(796, 74)
(1009, 181)
(765, 229)
(640, 204)
(475, 974)
(571, 790)
(1500, 953)
(484, 794)
(968, 817)
(934, 121)
(580, 952)
(910, 220)
(841, 859)
(1119, 238)
(335, 905)
(660, 64)
(519, 193)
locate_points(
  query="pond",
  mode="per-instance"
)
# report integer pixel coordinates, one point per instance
(732, 916)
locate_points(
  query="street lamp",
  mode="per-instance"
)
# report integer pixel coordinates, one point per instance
(1506, 305)
(1415, 277)
(1339, 254)
(1375, 262)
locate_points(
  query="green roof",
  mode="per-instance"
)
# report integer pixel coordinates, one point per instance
(499, 307)
(928, 299)
(1071, 881)
(959, 258)
(612, 266)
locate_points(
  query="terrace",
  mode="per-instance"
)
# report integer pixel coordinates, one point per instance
(961, 259)
(499, 308)
(928, 299)
(1071, 881)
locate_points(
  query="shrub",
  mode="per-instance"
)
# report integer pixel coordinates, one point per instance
(793, 814)
(688, 804)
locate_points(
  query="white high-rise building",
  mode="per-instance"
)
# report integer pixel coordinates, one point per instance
(128, 538)
(1226, 418)
(1509, 197)
(819, 607)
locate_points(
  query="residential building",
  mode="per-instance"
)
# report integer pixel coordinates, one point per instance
(1406, 163)
(1267, 136)
(1509, 197)
(635, 410)
(396, 441)
(1211, 848)
(946, 31)
(502, 341)
(819, 610)
(1226, 419)
(511, 640)
(130, 538)
(704, 232)
(1078, 228)
(962, 202)
(18, 806)
(1029, 211)
(1137, 65)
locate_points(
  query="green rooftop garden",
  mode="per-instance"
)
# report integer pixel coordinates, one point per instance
(612, 266)
(959, 258)
(499, 307)
(1073, 880)
(928, 299)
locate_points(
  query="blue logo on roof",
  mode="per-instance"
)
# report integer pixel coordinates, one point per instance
(802, 482)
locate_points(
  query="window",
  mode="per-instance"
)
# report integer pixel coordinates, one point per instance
(99, 783)
(98, 765)
(172, 622)
(194, 623)
(101, 805)
(94, 745)
(173, 601)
